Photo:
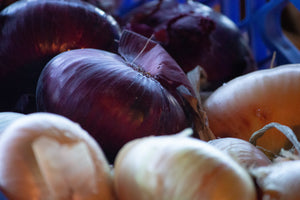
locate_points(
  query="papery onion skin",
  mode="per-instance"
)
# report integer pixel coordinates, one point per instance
(113, 101)
(176, 167)
(35, 31)
(195, 35)
(20, 176)
(247, 103)
(278, 181)
(242, 151)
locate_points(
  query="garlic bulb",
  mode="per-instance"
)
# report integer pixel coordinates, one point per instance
(47, 156)
(179, 168)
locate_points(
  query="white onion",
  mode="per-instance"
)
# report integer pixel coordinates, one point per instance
(177, 168)
(47, 156)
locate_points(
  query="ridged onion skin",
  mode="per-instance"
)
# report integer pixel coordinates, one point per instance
(33, 32)
(109, 99)
(117, 99)
(47, 156)
(177, 167)
(247, 103)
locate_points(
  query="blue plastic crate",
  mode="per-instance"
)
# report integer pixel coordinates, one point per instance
(261, 23)
(2, 197)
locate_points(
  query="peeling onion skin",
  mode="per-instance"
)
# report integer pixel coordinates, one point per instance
(247, 103)
(20, 175)
(242, 151)
(280, 181)
(108, 98)
(176, 167)
(33, 32)
(194, 34)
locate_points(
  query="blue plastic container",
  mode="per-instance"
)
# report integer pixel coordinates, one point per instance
(2, 197)
(261, 24)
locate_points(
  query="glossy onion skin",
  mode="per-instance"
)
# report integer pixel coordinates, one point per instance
(108, 98)
(35, 31)
(110, 7)
(21, 177)
(194, 34)
(177, 168)
(247, 103)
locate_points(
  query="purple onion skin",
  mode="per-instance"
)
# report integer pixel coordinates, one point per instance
(195, 34)
(114, 101)
(109, 6)
(33, 32)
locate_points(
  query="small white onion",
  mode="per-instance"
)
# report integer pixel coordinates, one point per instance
(179, 168)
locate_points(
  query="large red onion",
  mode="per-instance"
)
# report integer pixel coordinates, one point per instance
(194, 34)
(117, 99)
(32, 32)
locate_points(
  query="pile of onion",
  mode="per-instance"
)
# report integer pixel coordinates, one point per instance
(194, 35)
(33, 32)
(119, 97)
(261, 108)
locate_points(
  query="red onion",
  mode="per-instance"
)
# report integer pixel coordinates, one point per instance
(35, 31)
(108, 6)
(117, 99)
(194, 34)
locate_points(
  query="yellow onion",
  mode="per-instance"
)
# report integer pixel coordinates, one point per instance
(249, 102)
(179, 168)
(47, 156)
